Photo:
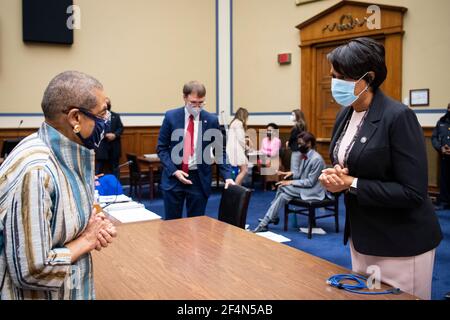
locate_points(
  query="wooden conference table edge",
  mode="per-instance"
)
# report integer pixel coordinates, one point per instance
(120, 226)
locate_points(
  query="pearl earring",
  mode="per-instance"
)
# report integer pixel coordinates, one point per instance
(77, 128)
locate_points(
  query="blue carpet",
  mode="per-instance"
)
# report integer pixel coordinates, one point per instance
(330, 246)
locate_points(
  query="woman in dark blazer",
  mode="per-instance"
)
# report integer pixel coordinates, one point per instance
(380, 163)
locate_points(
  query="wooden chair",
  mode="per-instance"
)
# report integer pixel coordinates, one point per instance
(308, 208)
(137, 177)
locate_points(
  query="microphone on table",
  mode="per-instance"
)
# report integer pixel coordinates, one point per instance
(10, 144)
(117, 182)
(18, 128)
(124, 164)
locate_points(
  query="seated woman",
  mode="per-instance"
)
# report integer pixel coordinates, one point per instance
(305, 184)
(270, 149)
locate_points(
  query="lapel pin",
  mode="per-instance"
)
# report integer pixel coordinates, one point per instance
(363, 140)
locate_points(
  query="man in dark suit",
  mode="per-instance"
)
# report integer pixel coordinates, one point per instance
(441, 142)
(110, 148)
(187, 140)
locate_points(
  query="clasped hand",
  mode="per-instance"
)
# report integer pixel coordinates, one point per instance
(100, 230)
(336, 179)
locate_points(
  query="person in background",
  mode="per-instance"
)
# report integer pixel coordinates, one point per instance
(380, 163)
(237, 144)
(304, 185)
(110, 148)
(298, 118)
(270, 149)
(47, 223)
(441, 142)
(186, 171)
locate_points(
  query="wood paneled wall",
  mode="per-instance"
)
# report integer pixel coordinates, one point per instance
(142, 140)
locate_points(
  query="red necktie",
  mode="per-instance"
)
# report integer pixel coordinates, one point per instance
(188, 147)
(304, 157)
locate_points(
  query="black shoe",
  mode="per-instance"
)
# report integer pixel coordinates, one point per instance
(261, 229)
(275, 221)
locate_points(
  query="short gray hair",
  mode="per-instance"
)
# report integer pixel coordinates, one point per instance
(69, 89)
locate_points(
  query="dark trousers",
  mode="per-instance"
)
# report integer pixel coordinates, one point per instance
(193, 194)
(444, 192)
(100, 166)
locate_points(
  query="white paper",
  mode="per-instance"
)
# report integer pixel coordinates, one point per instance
(255, 153)
(273, 236)
(134, 215)
(151, 156)
(123, 206)
(314, 230)
(114, 198)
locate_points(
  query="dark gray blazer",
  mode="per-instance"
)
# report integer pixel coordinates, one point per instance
(306, 176)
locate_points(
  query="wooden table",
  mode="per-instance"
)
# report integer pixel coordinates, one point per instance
(153, 165)
(203, 258)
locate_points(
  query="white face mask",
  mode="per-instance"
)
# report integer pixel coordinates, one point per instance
(293, 118)
(193, 110)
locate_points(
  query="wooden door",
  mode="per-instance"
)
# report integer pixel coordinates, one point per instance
(325, 109)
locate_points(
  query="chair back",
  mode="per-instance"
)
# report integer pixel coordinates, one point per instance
(8, 146)
(234, 205)
(135, 170)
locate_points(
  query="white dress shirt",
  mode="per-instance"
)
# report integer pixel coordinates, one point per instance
(193, 158)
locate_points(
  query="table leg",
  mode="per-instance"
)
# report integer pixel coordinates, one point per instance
(151, 181)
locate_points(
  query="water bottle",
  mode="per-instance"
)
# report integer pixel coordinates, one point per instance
(97, 205)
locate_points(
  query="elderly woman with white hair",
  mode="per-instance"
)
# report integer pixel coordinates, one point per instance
(48, 226)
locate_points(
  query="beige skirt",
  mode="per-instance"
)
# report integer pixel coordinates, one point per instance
(412, 275)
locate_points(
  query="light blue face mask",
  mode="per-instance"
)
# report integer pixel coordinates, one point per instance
(344, 91)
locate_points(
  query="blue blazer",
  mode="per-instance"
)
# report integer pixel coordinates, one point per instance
(170, 142)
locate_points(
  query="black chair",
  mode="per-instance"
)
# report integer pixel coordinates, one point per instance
(137, 177)
(234, 205)
(309, 210)
(8, 146)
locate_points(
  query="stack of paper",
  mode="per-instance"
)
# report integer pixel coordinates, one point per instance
(133, 215)
(151, 156)
(123, 206)
(255, 153)
(118, 198)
